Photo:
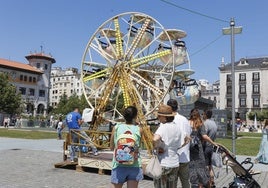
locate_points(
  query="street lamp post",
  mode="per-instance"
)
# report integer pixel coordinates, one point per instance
(232, 30)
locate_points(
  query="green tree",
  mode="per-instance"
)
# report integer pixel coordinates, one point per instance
(260, 115)
(62, 105)
(67, 105)
(10, 101)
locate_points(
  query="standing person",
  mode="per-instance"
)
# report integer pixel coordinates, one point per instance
(199, 174)
(8, 122)
(74, 121)
(184, 153)
(211, 131)
(262, 156)
(18, 122)
(121, 172)
(167, 139)
(60, 127)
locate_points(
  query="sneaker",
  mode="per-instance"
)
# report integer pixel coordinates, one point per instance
(96, 153)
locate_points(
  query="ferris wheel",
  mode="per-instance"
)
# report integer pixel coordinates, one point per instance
(129, 60)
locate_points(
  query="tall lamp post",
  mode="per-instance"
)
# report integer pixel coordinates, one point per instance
(232, 30)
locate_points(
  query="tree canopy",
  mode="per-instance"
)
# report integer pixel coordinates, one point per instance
(67, 105)
(10, 100)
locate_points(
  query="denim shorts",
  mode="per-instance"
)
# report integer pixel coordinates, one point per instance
(123, 174)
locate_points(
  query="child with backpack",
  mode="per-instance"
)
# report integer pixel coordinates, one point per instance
(125, 141)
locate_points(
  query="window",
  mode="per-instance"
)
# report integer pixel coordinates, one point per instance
(25, 78)
(38, 65)
(229, 89)
(46, 66)
(242, 102)
(22, 90)
(229, 78)
(255, 76)
(242, 89)
(31, 92)
(256, 102)
(41, 93)
(30, 79)
(256, 88)
(34, 79)
(229, 102)
(242, 77)
(21, 77)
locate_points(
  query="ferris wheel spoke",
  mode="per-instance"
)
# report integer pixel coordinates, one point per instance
(124, 85)
(137, 39)
(146, 47)
(119, 44)
(99, 49)
(148, 58)
(96, 75)
(140, 80)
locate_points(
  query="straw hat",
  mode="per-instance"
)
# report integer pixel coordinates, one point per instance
(165, 110)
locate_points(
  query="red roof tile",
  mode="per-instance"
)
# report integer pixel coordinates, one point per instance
(16, 65)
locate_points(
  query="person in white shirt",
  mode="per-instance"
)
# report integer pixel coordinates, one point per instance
(167, 139)
(184, 154)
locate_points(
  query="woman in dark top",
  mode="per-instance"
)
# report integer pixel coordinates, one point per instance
(199, 173)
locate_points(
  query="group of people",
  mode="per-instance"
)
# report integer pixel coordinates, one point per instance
(184, 148)
(13, 121)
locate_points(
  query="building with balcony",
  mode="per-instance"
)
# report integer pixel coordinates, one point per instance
(251, 89)
(32, 80)
(64, 81)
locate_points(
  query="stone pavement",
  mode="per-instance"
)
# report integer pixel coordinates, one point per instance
(30, 164)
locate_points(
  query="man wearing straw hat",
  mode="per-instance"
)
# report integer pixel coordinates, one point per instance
(167, 139)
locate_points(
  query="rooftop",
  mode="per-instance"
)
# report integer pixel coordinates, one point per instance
(18, 66)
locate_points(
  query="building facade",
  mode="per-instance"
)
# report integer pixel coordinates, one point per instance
(210, 91)
(251, 88)
(32, 80)
(66, 82)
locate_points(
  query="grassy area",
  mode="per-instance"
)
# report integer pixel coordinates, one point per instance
(246, 143)
(27, 134)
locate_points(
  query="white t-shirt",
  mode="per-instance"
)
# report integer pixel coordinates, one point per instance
(172, 137)
(184, 124)
(60, 125)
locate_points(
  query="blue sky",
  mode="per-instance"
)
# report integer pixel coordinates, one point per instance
(64, 27)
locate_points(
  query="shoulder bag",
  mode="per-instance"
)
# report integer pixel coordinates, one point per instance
(216, 158)
(153, 168)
